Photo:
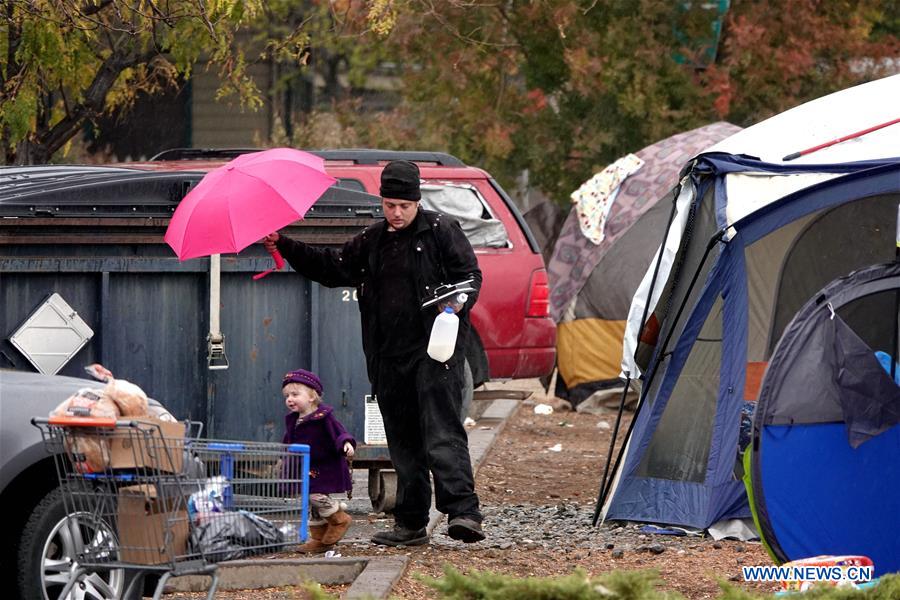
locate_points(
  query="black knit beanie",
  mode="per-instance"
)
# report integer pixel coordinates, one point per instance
(400, 180)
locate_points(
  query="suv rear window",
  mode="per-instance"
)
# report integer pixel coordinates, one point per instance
(465, 204)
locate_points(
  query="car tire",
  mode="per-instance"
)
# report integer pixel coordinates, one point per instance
(46, 554)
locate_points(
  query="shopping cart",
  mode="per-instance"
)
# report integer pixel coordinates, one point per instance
(149, 497)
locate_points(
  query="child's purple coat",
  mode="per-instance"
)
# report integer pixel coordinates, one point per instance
(329, 472)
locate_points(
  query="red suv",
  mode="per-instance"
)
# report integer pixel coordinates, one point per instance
(516, 338)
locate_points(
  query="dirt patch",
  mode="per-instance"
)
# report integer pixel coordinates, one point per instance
(525, 465)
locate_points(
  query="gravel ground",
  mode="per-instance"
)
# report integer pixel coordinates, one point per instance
(538, 488)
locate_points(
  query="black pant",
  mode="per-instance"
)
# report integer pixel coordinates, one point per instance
(420, 400)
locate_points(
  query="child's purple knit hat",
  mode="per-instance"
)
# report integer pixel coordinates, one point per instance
(305, 377)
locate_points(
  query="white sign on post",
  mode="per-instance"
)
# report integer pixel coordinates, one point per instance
(374, 428)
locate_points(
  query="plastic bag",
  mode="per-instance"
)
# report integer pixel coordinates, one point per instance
(89, 453)
(158, 411)
(86, 402)
(131, 400)
(235, 535)
(209, 499)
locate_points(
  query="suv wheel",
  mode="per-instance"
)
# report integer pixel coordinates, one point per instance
(51, 541)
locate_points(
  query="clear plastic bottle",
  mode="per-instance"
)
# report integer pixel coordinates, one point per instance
(442, 342)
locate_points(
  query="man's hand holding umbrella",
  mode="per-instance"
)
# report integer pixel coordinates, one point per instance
(270, 242)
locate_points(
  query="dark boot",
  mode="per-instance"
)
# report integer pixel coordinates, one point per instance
(401, 536)
(465, 529)
(338, 524)
(314, 544)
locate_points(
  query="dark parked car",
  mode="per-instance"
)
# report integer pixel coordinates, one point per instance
(38, 549)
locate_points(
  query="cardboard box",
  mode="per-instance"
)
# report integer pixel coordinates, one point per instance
(156, 444)
(152, 529)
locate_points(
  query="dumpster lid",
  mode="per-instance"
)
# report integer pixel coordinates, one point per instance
(82, 191)
(43, 191)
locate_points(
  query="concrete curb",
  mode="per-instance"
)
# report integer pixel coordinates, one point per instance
(370, 577)
(378, 578)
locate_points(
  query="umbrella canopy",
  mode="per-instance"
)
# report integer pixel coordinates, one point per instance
(244, 200)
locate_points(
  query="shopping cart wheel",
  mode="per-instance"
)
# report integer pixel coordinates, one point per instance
(383, 489)
(50, 542)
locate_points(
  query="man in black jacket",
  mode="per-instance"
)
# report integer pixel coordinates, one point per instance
(395, 266)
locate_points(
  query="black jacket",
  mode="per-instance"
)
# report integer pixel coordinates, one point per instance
(442, 254)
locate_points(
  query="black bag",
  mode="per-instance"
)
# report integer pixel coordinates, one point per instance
(233, 535)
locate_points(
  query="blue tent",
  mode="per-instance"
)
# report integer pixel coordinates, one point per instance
(751, 239)
(823, 461)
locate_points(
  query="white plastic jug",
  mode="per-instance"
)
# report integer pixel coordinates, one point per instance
(442, 342)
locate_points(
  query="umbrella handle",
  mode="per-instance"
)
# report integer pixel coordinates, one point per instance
(279, 260)
(279, 264)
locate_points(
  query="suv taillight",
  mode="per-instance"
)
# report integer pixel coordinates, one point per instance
(538, 295)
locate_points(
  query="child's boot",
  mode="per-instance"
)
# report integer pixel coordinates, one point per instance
(338, 524)
(314, 544)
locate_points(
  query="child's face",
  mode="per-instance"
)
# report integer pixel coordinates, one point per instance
(299, 398)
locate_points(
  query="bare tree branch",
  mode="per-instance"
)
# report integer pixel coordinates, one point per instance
(91, 8)
(456, 33)
(92, 105)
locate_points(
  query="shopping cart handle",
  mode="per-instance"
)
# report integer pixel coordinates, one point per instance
(82, 421)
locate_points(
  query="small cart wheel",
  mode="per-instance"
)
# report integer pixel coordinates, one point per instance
(383, 489)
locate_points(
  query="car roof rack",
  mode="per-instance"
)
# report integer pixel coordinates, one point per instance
(366, 156)
(361, 156)
(202, 153)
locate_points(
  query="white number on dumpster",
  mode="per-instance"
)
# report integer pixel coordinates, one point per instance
(349, 295)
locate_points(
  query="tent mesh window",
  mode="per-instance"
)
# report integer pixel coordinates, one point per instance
(676, 290)
(786, 267)
(871, 318)
(679, 448)
(840, 240)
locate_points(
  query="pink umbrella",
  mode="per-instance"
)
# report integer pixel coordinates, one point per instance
(244, 200)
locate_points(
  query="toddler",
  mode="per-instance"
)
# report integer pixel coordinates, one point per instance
(313, 423)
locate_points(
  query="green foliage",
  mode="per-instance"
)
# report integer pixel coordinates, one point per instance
(615, 585)
(618, 585)
(70, 62)
(314, 591)
(775, 56)
(563, 87)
